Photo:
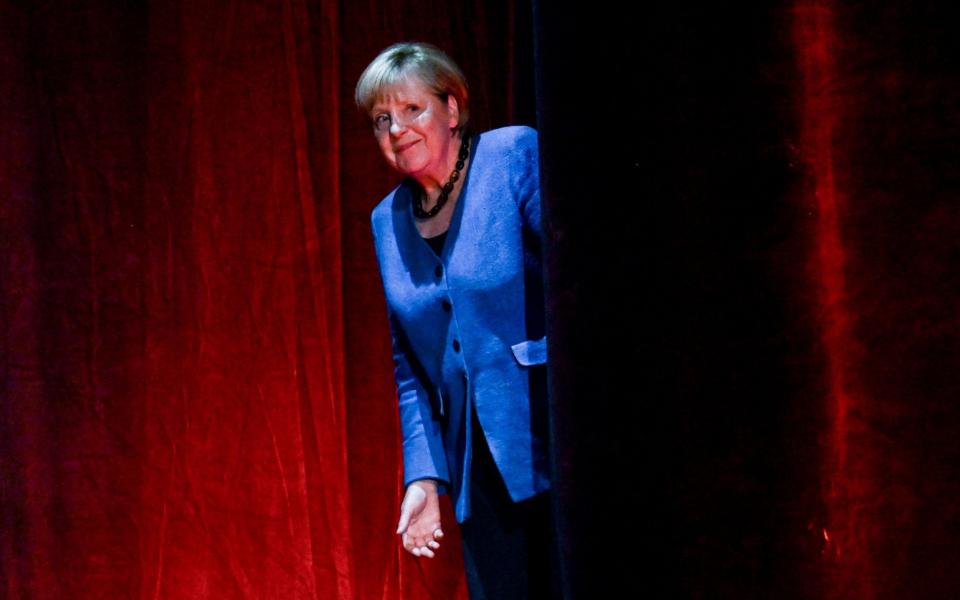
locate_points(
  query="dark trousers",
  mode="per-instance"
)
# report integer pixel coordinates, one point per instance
(507, 550)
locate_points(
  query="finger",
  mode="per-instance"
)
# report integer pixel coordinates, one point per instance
(438, 533)
(415, 551)
(433, 544)
(407, 543)
(426, 552)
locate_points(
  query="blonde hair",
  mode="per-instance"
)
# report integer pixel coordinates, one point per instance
(427, 63)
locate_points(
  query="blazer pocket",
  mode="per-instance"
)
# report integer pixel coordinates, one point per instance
(531, 352)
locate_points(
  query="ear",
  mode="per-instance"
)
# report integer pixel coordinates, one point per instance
(453, 109)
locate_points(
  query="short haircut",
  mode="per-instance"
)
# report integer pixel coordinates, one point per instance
(427, 63)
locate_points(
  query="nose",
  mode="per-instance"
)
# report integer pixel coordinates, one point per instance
(397, 125)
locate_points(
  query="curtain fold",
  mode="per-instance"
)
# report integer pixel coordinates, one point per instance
(752, 284)
(752, 242)
(197, 397)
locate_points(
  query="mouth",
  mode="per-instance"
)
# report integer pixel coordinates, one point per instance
(404, 147)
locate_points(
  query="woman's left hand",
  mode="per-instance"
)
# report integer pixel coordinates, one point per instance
(419, 523)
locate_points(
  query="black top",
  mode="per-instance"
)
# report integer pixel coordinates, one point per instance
(436, 242)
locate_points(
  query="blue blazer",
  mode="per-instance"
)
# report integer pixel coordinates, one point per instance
(468, 326)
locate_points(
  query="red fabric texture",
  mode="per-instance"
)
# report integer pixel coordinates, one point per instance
(198, 398)
(879, 137)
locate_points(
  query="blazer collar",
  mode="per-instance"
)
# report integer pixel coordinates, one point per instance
(408, 188)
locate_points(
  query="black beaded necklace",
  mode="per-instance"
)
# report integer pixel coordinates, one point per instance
(447, 187)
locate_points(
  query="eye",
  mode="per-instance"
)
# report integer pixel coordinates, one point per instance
(382, 120)
(413, 108)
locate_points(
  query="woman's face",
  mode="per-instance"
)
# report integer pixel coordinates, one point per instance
(414, 129)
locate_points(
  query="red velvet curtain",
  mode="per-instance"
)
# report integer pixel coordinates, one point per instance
(752, 278)
(197, 390)
(197, 398)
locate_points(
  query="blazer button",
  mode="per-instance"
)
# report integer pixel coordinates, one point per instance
(438, 271)
(456, 346)
(446, 305)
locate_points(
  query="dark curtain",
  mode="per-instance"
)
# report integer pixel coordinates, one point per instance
(754, 244)
(197, 396)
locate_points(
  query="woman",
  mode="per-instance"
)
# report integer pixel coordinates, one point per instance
(458, 243)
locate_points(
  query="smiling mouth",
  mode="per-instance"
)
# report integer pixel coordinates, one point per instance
(404, 147)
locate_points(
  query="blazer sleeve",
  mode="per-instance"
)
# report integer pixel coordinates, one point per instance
(526, 167)
(423, 454)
